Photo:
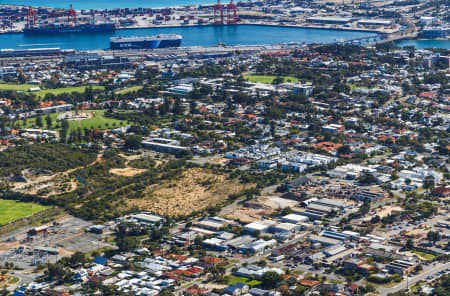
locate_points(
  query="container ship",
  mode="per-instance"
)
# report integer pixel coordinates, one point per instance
(145, 42)
(71, 26)
(67, 28)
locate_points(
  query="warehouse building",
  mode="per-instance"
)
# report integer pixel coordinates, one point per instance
(146, 218)
(326, 241)
(257, 246)
(285, 227)
(294, 219)
(259, 226)
(329, 20)
(401, 267)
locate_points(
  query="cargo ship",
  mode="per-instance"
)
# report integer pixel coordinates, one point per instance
(68, 28)
(145, 42)
(71, 26)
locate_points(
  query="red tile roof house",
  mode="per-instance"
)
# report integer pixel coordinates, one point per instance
(194, 291)
(441, 191)
(308, 283)
(196, 271)
(211, 260)
(428, 95)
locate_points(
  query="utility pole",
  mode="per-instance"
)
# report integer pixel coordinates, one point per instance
(407, 280)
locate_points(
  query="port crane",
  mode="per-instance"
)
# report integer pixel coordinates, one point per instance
(72, 15)
(218, 9)
(231, 13)
(31, 16)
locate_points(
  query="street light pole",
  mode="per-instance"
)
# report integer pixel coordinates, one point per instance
(407, 280)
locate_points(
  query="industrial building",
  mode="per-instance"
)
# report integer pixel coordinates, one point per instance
(329, 20)
(7, 72)
(370, 196)
(259, 226)
(96, 61)
(401, 267)
(163, 145)
(326, 241)
(294, 219)
(305, 89)
(257, 246)
(212, 223)
(146, 218)
(54, 109)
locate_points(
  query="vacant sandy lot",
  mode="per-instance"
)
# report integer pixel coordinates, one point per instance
(195, 190)
(255, 209)
(383, 212)
(126, 172)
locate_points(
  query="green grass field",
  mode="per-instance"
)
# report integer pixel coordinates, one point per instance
(96, 121)
(42, 93)
(423, 255)
(268, 79)
(129, 89)
(16, 87)
(11, 210)
(58, 91)
(232, 280)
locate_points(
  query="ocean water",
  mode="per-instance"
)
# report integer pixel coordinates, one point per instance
(109, 4)
(192, 36)
(422, 44)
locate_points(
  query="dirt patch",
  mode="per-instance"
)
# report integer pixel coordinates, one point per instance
(129, 158)
(195, 190)
(5, 246)
(126, 172)
(51, 181)
(383, 212)
(211, 286)
(255, 209)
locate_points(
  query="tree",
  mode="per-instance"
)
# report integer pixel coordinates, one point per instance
(433, 236)
(39, 122)
(428, 182)
(271, 279)
(344, 150)
(193, 107)
(127, 243)
(300, 290)
(77, 259)
(166, 292)
(57, 271)
(418, 268)
(65, 125)
(177, 107)
(367, 179)
(278, 80)
(133, 142)
(48, 120)
(409, 244)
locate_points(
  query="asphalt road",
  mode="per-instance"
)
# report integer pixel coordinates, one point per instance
(431, 270)
(25, 277)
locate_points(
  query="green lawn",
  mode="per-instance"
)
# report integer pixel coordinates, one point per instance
(16, 87)
(232, 280)
(42, 93)
(96, 121)
(129, 89)
(58, 91)
(414, 287)
(423, 255)
(11, 210)
(268, 79)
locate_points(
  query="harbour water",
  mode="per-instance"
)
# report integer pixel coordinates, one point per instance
(192, 36)
(107, 4)
(422, 44)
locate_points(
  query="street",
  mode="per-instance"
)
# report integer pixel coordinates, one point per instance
(431, 270)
